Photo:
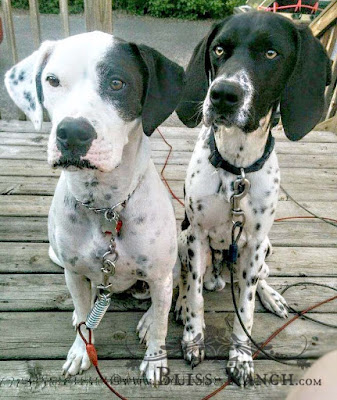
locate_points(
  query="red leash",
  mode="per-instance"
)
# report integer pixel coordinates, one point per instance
(163, 169)
(91, 350)
(92, 353)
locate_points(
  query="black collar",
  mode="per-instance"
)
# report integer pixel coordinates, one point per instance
(218, 162)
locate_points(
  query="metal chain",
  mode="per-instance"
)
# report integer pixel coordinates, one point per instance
(108, 268)
(241, 189)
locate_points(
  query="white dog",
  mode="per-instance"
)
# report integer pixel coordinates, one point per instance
(102, 95)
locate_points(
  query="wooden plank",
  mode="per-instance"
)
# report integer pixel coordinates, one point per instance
(36, 144)
(168, 131)
(98, 15)
(332, 40)
(64, 14)
(38, 206)
(41, 379)
(329, 124)
(49, 335)
(303, 184)
(26, 258)
(9, 29)
(325, 19)
(333, 105)
(317, 161)
(35, 21)
(305, 233)
(48, 292)
(285, 261)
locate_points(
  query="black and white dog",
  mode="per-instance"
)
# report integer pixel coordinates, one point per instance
(239, 73)
(102, 95)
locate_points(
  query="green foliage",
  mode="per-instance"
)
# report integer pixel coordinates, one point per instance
(188, 9)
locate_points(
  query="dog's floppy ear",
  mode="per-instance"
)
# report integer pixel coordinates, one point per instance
(189, 109)
(23, 83)
(302, 102)
(165, 80)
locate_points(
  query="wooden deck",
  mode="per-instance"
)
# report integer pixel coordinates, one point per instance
(35, 319)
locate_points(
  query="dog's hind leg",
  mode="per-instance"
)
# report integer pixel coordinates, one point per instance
(269, 297)
(80, 289)
(53, 257)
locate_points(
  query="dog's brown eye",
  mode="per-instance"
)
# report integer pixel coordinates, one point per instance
(53, 81)
(270, 54)
(219, 51)
(116, 84)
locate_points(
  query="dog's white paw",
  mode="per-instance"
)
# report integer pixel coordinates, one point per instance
(272, 300)
(193, 348)
(143, 327)
(77, 359)
(215, 283)
(240, 366)
(241, 370)
(154, 365)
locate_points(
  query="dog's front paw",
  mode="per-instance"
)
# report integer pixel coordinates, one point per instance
(240, 366)
(215, 283)
(193, 348)
(154, 365)
(77, 359)
(241, 372)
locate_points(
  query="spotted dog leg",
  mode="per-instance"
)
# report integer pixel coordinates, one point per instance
(193, 337)
(80, 289)
(180, 307)
(156, 320)
(240, 365)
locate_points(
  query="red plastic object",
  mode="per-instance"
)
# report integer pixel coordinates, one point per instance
(92, 354)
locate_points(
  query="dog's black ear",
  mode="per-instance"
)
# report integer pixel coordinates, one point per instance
(302, 102)
(165, 80)
(189, 109)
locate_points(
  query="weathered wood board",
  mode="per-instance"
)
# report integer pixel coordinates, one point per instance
(35, 306)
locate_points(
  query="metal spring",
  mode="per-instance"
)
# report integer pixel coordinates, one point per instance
(97, 313)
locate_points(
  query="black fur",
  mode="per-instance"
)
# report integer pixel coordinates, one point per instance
(153, 83)
(296, 78)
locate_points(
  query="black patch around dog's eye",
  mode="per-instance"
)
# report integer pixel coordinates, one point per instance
(120, 80)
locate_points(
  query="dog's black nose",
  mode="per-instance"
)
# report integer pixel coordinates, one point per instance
(75, 135)
(226, 95)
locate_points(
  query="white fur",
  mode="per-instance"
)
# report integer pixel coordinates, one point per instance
(147, 246)
(242, 79)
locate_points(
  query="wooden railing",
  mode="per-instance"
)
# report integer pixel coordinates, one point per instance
(98, 16)
(325, 29)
